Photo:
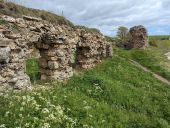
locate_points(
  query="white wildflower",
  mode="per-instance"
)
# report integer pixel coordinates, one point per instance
(84, 102)
(37, 107)
(7, 114)
(85, 126)
(35, 119)
(46, 125)
(27, 125)
(20, 115)
(90, 116)
(59, 110)
(1, 94)
(87, 107)
(52, 117)
(22, 108)
(45, 111)
(2, 126)
(6, 96)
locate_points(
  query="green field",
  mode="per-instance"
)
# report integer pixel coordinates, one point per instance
(159, 37)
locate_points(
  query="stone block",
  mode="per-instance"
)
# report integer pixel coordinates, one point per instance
(53, 64)
(4, 54)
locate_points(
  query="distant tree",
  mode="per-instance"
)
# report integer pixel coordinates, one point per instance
(122, 33)
(122, 36)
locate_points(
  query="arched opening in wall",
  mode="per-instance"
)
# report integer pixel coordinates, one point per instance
(81, 57)
(33, 66)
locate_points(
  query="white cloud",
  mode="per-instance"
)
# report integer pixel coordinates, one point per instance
(109, 14)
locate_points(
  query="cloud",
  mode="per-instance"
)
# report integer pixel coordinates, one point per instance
(107, 15)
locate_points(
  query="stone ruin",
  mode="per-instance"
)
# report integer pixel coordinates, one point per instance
(58, 46)
(139, 37)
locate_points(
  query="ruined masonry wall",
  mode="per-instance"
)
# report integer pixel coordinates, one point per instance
(58, 46)
(139, 37)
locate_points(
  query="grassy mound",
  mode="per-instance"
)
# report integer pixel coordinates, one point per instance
(15, 10)
(114, 94)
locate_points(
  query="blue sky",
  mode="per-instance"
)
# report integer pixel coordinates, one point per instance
(108, 15)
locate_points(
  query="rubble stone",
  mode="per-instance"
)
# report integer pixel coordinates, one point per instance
(4, 54)
(60, 47)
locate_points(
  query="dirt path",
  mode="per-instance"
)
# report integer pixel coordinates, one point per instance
(148, 70)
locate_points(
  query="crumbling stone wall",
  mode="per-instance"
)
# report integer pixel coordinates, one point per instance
(91, 49)
(139, 37)
(57, 46)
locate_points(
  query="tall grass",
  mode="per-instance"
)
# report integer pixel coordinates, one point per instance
(33, 70)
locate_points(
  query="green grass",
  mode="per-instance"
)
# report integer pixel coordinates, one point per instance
(2, 22)
(158, 37)
(152, 57)
(32, 69)
(114, 94)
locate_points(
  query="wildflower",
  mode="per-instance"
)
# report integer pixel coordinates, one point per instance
(1, 94)
(24, 97)
(23, 103)
(87, 107)
(11, 104)
(46, 125)
(37, 107)
(59, 110)
(52, 117)
(85, 126)
(103, 121)
(84, 102)
(45, 111)
(6, 96)
(2, 126)
(21, 109)
(20, 115)
(90, 116)
(48, 103)
(7, 114)
(27, 125)
(35, 119)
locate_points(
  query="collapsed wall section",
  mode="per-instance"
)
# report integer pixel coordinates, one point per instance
(57, 55)
(139, 37)
(92, 48)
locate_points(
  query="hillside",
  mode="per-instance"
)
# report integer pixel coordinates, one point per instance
(17, 11)
(108, 96)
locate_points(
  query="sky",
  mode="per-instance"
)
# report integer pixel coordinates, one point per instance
(108, 15)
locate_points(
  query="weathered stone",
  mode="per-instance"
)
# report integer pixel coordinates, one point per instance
(4, 42)
(139, 37)
(23, 83)
(13, 36)
(43, 63)
(53, 65)
(9, 19)
(60, 53)
(4, 54)
(31, 18)
(60, 47)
